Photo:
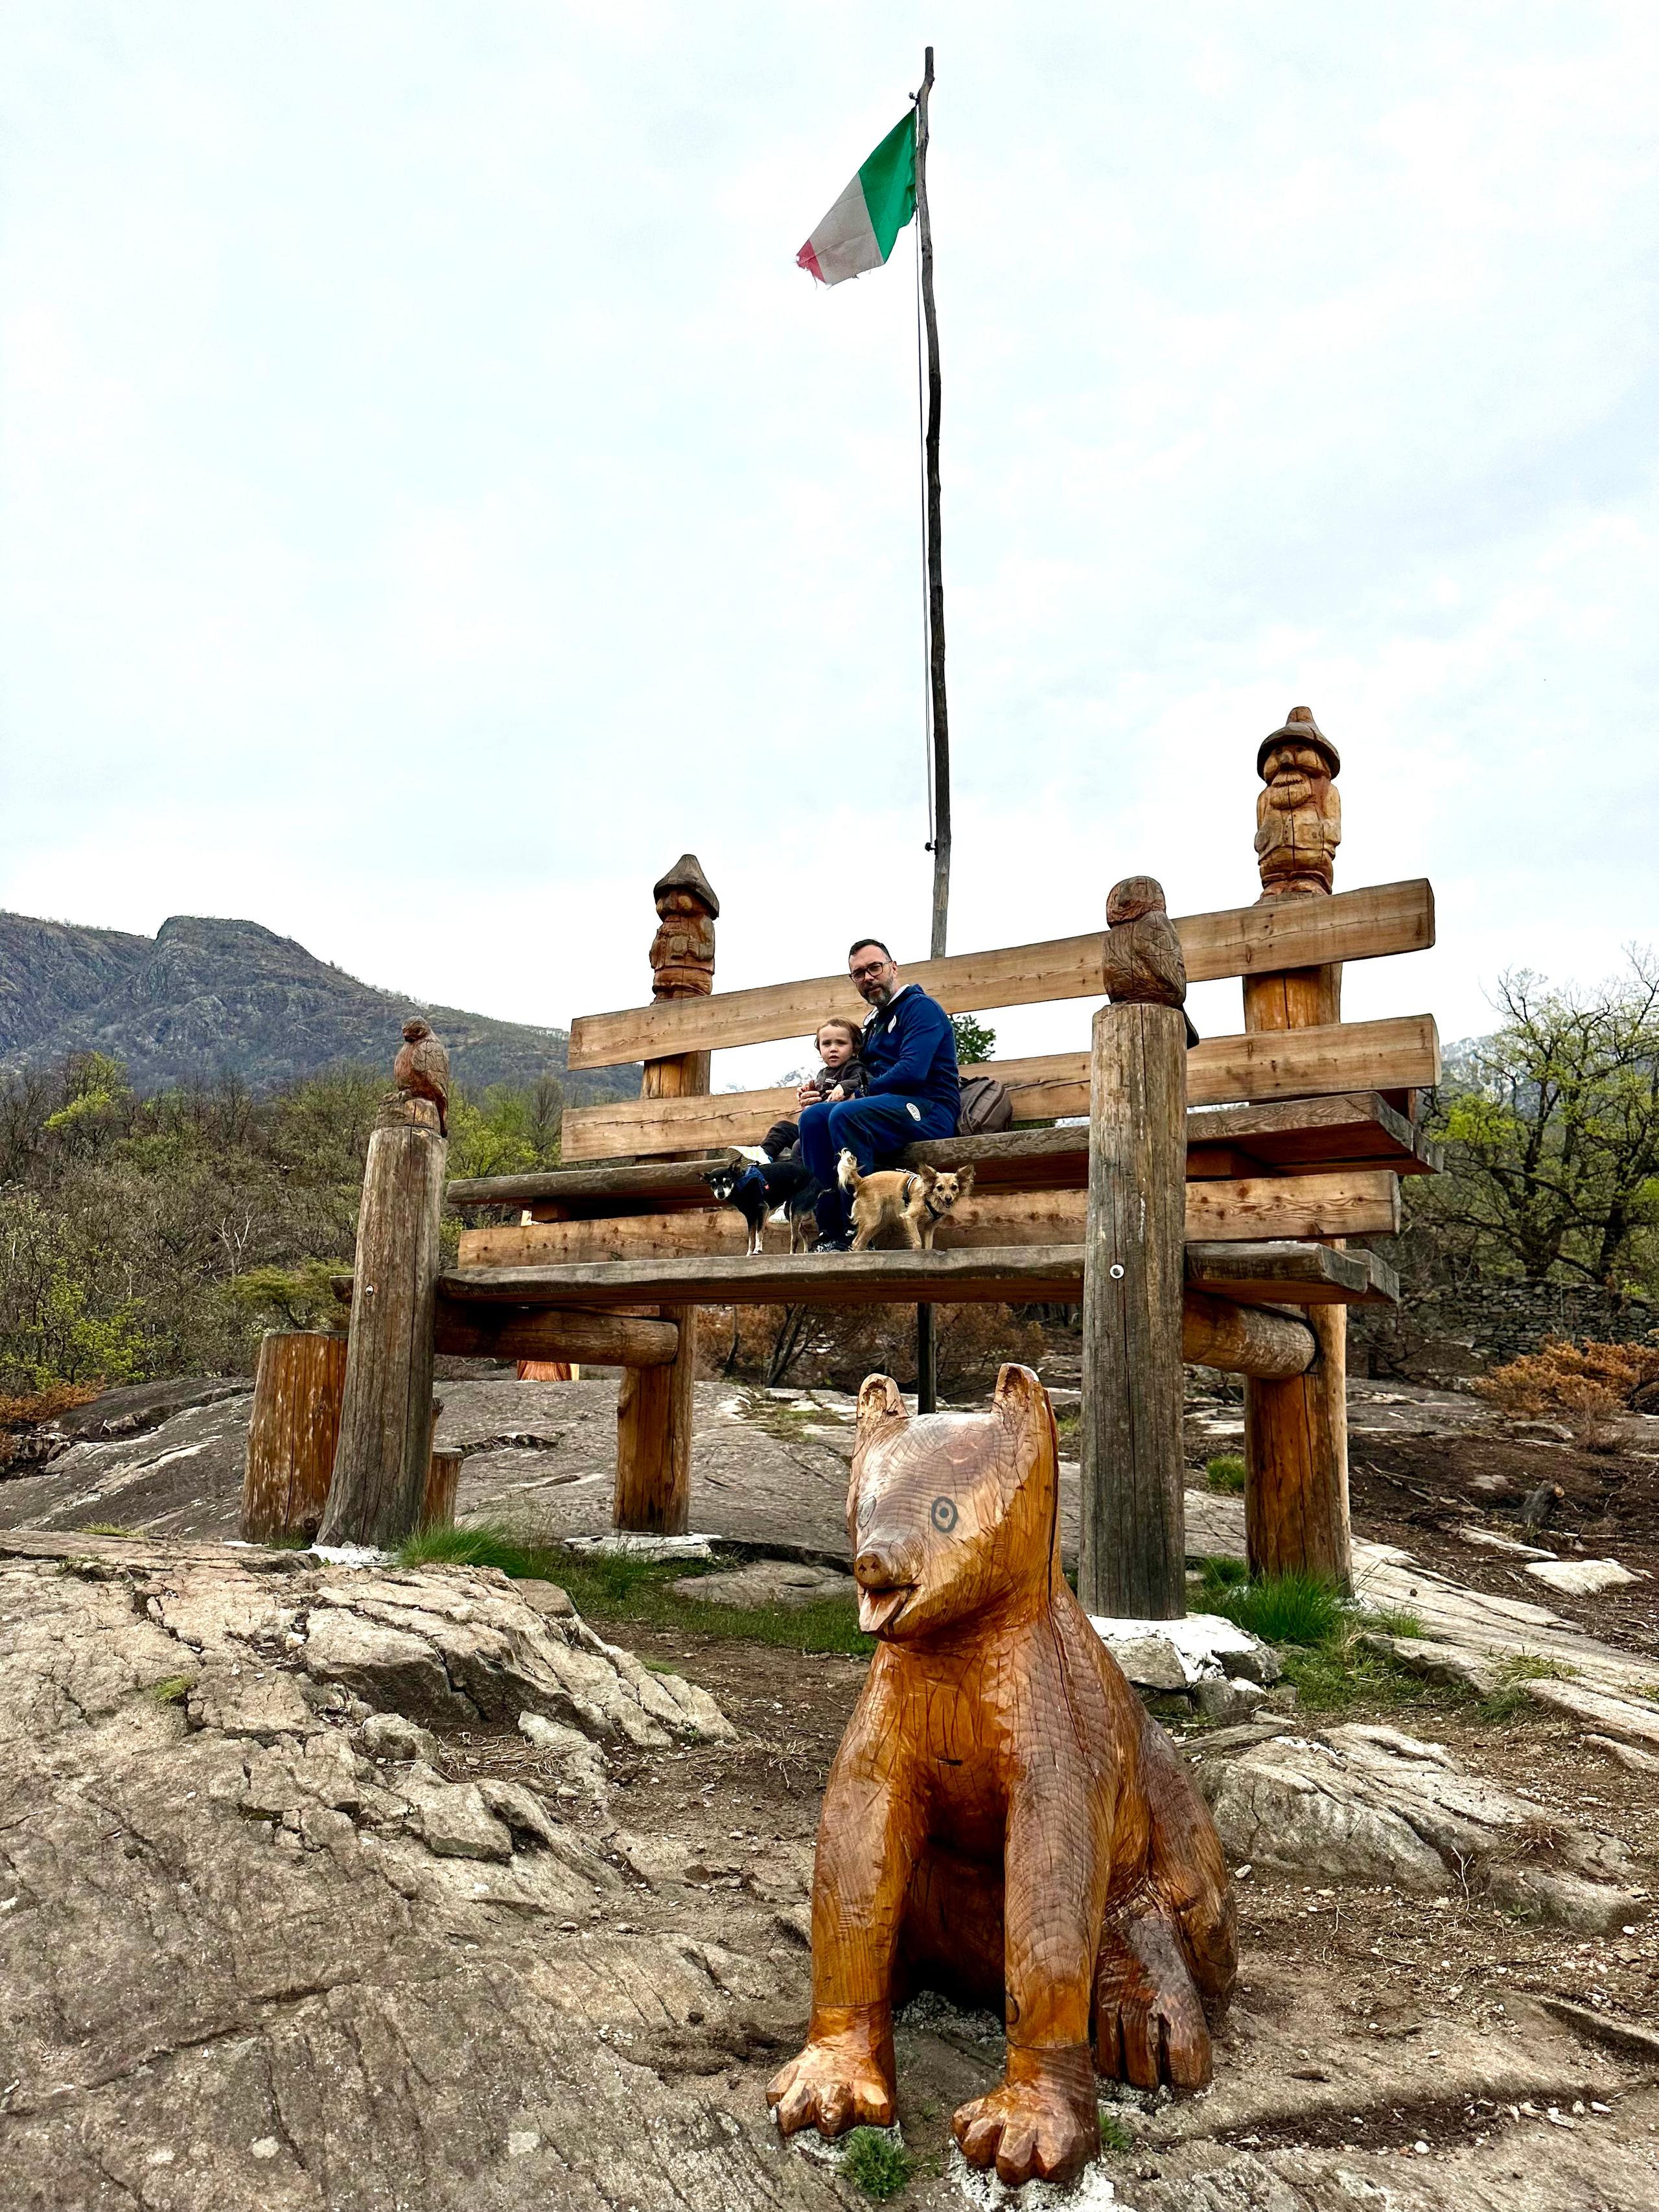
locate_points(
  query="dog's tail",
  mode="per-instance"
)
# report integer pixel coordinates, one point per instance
(847, 1175)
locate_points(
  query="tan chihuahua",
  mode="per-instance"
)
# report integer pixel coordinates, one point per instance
(913, 1200)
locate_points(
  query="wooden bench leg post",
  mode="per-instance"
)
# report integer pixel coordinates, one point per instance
(653, 1407)
(383, 1458)
(293, 1431)
(1296, 1431)
(926, 1361)
(1132, 1554)
(653, 1439)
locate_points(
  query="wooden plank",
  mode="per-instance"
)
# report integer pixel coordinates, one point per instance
(1132, 1552)
(1291, 1274)
(1286, 1064)
(1251, 1274)
(1302, 1133)
(598, 1340)
(1358, 925)
(1362, 1202)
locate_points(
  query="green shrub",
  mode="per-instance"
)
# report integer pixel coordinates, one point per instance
(1226, 1471)
(873, 2162)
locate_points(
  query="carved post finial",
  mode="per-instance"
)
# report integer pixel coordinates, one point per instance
(420, 1078)
(683, 950)
(1298, 818)
(1142, 953)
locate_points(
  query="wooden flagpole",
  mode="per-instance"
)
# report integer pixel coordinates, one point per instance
(927, 1340)
(935, 559)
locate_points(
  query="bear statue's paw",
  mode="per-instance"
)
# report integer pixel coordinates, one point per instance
(836, 2083)
(1040, 2122)
(1149, 2028)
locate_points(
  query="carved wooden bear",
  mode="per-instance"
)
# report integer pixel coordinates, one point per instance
(1003, 1822)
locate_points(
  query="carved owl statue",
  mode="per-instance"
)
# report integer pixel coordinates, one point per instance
(1142, 953)
(422, 1069)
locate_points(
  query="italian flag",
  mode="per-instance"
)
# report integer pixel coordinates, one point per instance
(859, 231)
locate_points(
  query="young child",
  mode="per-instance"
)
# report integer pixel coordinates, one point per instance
(841, 1076)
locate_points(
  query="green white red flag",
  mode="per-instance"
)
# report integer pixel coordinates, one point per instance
(859, 232)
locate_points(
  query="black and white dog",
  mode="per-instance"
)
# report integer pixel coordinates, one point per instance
(758, 1187)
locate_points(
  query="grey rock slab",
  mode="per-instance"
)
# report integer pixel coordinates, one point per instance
(1487, 1539)
(393, 1736)
(1582, 1577)
(1226, 1702)
(1614, 1716)
(451, 1818)
(1372, 1805)
(577, 1764)
(1626, 1754)
(182, 1478)
(1453, 1664)
(766, 1582)
(386, 1667)
(261, 1704)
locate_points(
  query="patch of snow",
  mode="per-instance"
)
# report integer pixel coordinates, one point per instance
(350, 1555)
(980, 2187)
(1201, 1641)
(631, 1545)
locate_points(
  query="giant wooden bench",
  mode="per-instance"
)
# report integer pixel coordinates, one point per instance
(1258, 1154)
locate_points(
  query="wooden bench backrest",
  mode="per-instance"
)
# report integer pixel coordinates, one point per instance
(1398, 1054)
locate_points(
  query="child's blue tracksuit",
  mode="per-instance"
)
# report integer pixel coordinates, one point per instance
(909, 1054)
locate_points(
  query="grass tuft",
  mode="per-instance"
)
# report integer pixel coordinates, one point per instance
(1395, 1623)
(1294, 1608)
(1113, 2136)
(104, 1529)
(172, 1690)
(1225, 1471)
(620, 1588)
(874, 2163)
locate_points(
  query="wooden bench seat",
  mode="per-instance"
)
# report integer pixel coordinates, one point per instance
(1250, 1275)
(1284, 1137)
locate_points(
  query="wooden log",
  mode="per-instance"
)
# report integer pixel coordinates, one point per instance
(1025, 1274)
(1356, 925)
(1132, 1554)
(1357, 1202)
(386, 1417)
(601, 1339)
(443, 1477)
(1244, 1340)
(653, 1438)
(1338, 1058)
(1296, 1428)
(293, 1430)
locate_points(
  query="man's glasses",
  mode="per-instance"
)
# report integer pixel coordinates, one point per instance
(863, 974)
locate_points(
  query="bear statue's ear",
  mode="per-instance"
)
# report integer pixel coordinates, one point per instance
(1019, 1390)
(879, 1401)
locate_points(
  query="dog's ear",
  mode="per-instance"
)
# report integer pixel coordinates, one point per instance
(736, 1155)
(965, 1181)
(929, 1175)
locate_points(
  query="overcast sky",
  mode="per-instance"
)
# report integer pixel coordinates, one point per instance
(433, 498)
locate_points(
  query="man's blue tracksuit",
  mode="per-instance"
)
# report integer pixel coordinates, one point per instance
(909, 1054)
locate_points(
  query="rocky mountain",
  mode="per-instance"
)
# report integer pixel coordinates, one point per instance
(204, 997)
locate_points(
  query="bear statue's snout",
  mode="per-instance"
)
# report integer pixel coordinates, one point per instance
(886, 1573)
(887, 1565)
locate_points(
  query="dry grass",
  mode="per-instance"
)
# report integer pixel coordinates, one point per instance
(1588, 1380)
(30, 1411)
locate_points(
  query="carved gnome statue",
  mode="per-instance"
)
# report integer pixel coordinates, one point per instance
(1298, 818)
(1142, 953)
(422, 1071)
(683, 950)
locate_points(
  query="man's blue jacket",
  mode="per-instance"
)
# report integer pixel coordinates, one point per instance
(909, 1050)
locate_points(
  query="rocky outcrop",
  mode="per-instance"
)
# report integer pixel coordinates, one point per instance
(1363, 1804)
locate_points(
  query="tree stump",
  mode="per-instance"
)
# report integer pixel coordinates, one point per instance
(443, 1475)
(292, 1434)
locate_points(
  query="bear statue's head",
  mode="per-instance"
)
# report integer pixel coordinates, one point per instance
(952, 1515)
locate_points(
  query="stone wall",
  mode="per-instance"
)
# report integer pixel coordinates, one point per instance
(1438, 1336)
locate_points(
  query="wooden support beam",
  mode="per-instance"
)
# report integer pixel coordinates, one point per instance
(1296, 1429)
(1362, 1202)
(1050, 1274)
(472, 1330)
(1338, 1058)
(381, 1462)
(1244, 1340)
(293, 1431)
(1132, 1554)
(1356, 925)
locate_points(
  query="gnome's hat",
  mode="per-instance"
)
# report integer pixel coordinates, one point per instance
(687, 875)
(1300, 728)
